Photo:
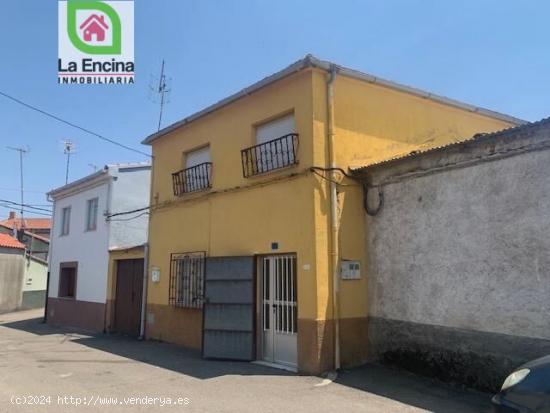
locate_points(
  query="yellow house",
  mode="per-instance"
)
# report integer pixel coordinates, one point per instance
(256, 234)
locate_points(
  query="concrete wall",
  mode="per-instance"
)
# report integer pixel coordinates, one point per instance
(131, 190)
(11, 278)
(459, 259)
(34, 283)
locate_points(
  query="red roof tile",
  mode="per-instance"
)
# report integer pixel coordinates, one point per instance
(30, 223)
(7, 241)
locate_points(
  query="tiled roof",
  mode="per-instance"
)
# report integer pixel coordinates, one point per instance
(475, 138)
(30, 223)
(7, 241)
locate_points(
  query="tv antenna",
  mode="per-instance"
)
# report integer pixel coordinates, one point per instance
(21, 151)
(68, 149)
(161, 91)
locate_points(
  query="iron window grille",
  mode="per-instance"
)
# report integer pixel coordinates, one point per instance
(269, 156)
(195, 178)
(187, 279)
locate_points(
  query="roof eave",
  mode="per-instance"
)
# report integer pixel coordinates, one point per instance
(78, 184)
(312, 62)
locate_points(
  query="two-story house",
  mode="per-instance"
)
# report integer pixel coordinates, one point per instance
(257, 235)
(87, 225)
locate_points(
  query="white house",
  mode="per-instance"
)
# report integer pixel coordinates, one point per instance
(85, 228)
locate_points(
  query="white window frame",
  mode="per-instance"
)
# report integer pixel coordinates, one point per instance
(92, 206)
(65, 221)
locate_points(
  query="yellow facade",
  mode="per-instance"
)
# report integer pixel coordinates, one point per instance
(244, 216)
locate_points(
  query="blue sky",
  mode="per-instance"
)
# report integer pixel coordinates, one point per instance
(491, 53)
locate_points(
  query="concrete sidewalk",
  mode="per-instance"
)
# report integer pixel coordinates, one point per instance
(105, 371)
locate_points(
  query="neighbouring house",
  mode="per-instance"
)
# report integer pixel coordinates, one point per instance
(34, 234)
(458, 256)
(94, 26)
(12, 270)
(91, 217)
(257, 243)
(37, 226)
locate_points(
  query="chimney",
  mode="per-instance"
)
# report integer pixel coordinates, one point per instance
(12, 215)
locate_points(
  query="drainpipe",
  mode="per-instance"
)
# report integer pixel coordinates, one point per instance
(146, 257)
(334, 247)
(144, 290)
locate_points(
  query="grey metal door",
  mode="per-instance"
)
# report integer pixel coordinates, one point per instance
(228, 323)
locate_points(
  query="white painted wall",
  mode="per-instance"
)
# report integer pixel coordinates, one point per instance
(122, 188)
(89, 248)
(130, 191)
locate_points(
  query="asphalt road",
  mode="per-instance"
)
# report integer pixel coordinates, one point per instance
(45, 369)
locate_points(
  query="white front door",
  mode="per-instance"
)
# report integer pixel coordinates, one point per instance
(279, 310)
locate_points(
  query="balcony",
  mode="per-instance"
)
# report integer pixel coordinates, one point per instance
(196, 178)
(269, 156)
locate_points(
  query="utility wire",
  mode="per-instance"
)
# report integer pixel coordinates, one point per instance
(25, 210)
(25, 205)
(128, 219)
(73, 125)
(128, 212)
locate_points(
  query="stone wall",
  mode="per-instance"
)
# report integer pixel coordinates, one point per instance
(459, 258)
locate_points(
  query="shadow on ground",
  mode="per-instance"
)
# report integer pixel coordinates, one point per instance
(414, 390)
(407, 388)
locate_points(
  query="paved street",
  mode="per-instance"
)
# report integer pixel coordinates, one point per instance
(37, 360)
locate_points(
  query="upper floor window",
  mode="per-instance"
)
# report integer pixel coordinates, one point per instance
(65, 220)
(276, 147)
(196, 174)
(91, 214)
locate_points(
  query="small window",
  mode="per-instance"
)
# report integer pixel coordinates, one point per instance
(187, 279)
(65, 220)
(67, 280)
(91, 214)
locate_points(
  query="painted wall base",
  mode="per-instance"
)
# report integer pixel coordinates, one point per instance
(477, 359)
(33, 299)
(84, 315)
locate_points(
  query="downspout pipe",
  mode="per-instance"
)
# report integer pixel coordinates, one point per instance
(144, 290)
(334, 247)
(146, 257)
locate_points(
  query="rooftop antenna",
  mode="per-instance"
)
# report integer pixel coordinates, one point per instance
(21, 151)
(93, 166)
(162, 91)
(68, 149)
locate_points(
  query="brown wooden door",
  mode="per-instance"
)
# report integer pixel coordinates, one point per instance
(129, 290)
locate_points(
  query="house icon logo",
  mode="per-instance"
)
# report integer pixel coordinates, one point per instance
(94, 26)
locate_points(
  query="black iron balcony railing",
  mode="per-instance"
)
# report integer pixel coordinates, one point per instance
(265, 157)
(196, 178)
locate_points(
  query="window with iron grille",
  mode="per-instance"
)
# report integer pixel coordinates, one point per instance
(187, 279)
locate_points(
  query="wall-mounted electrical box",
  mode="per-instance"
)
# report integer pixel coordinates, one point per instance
(350, 270)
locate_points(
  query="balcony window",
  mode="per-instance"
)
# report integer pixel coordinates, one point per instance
(276, 147)
(197, 173)
(269, 156)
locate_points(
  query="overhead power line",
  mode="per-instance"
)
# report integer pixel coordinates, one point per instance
(25, 210)
(71, 124)
(24, 205)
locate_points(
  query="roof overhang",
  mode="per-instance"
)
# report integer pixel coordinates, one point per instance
(312, 62)
(80, 184)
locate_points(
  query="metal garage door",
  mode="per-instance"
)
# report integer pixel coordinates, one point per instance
(228, 331)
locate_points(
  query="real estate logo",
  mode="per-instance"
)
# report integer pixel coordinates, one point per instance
(96, 42)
